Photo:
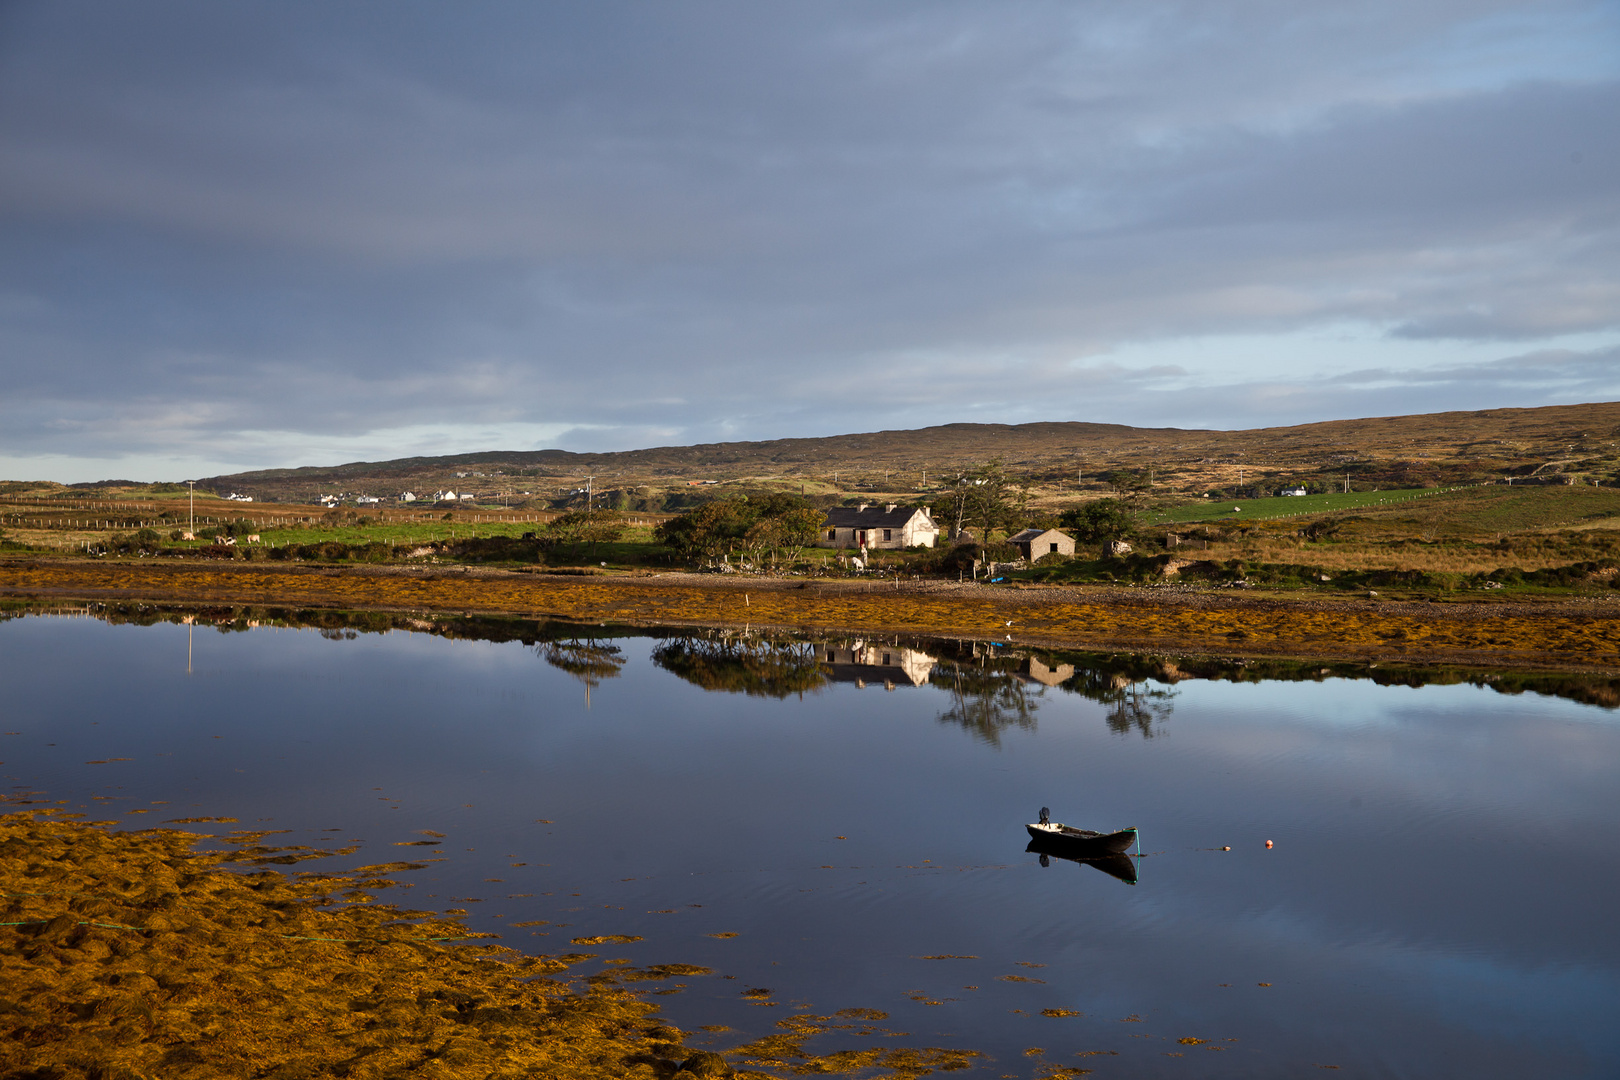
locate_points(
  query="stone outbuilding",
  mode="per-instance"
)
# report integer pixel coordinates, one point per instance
(1035, 543)
(874, 527)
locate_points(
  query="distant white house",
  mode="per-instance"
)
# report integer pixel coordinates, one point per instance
(368, 499)
(234, 497)
(409, 496)
(890, 526)
(1295, 491)
(444, 496)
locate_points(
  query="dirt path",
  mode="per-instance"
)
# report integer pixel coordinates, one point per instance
(1565, 634)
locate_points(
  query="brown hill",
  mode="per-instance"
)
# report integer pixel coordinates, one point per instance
(1550, 443)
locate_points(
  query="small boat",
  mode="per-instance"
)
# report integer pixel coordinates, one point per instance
(1080, 842)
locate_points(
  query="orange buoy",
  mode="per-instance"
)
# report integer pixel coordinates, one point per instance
(1268, 843)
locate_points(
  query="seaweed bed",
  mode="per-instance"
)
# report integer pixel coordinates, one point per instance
(1569, 634)
(128, 954)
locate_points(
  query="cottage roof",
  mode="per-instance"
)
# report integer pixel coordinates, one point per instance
(871, 517)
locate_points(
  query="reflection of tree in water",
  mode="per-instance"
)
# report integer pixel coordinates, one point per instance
(1133, 704)
(986, 703)
(590, 661)
(1135, 708)
(759, 667)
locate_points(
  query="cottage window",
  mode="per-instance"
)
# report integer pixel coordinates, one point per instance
(832, 534)
(1054, 547)
(888, 535)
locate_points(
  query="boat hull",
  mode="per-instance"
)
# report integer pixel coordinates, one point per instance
(1081, 842)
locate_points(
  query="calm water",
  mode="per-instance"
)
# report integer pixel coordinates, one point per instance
(1441, 899)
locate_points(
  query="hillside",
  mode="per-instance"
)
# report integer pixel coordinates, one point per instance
(1551, 444)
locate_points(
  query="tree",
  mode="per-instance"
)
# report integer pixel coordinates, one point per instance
(776, 524)
(584, 527)
(1128, 483)
(986, 497)
(1099, 521)
(711, 530)
(790, 532)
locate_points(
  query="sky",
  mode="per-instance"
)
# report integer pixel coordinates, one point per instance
(252, 235)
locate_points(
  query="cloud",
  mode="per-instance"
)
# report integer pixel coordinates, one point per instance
(266, 231)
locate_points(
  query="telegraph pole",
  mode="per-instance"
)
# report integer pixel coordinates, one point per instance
(192, 485)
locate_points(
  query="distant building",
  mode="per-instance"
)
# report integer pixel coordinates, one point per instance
(890, 526)
(409, 496)
(1035, 543)
(1295, 491)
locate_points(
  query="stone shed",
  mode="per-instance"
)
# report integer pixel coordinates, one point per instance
(1035, 543)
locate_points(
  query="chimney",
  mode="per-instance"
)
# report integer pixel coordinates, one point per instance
(889, 509)
(861, 508)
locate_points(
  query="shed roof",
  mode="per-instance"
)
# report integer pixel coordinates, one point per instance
(1032, 534)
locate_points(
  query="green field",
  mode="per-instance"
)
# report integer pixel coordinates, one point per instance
(1285, 505)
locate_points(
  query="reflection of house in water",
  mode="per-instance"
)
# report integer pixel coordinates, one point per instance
(861, 663)
(1036, 670)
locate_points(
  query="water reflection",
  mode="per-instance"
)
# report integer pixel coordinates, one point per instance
(987, 702)
(1122, 867)
(756, 665)
(861, 662)
(589, 660)
(980, 675)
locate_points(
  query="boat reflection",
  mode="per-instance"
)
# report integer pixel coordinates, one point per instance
(1122, 867)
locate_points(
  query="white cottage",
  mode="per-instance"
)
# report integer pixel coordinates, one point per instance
(890, 526)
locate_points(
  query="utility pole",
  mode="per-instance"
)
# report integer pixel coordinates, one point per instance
(589, 495)
(192, 485)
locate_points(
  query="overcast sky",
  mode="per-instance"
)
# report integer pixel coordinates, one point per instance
(242, 235)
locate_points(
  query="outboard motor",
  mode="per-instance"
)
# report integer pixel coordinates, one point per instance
(1046, 816)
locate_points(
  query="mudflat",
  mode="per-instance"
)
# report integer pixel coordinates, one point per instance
(1563, 634)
